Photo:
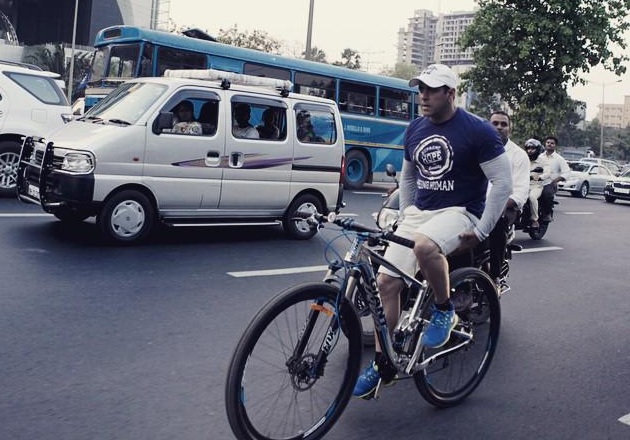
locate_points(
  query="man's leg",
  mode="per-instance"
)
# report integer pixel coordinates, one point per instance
(497, 241)
(434, 267)
(546, 201)
(389, 288)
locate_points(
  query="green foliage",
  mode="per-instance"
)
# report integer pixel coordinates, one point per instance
(350, 59)
(258, 40)
(49, 57)
(402, 71)
(528, 52)
(316, 55)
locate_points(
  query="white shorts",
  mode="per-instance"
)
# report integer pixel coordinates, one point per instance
(443, 227)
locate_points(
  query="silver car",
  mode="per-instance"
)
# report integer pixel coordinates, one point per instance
(585, 178)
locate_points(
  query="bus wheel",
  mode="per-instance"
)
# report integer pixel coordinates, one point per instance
(357, 169)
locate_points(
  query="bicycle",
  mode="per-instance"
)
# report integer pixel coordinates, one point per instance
(295, 366)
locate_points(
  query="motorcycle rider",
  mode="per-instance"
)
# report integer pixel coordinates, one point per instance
(539, 176)
(520, 192)
(557, 167)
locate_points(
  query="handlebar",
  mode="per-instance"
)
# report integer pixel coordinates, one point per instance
(316, 219)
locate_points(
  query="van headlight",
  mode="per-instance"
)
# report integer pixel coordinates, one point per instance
(81, 163)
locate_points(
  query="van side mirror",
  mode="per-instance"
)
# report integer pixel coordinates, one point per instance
(163, 122)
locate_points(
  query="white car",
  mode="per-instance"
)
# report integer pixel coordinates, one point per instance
(585, 178)
(31, 104)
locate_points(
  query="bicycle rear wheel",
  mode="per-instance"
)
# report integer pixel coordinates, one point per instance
(294, 368)
(453, 376)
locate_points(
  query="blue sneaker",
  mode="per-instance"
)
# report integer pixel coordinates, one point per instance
(367, 382)
(439, 329)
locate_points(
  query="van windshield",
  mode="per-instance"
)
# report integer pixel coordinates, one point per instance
(126, 103)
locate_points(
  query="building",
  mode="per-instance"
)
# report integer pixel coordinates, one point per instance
(46, 21)
(615, 115)
(430, 38)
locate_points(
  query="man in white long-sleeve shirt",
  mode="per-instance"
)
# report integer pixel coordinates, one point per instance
(520, 192)
(449, 157)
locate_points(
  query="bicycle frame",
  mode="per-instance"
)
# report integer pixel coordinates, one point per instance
(359, 270)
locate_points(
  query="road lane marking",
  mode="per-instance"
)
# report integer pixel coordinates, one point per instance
(625, 419)
(539, 249)
(578, 212)
(24, 215)
(293, 270)
(286, 271)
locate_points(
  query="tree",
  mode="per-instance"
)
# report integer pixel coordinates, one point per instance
(529, 52)
(316, 55)
(351, 59)
(401, 70)
(49, 57)
(258, 40)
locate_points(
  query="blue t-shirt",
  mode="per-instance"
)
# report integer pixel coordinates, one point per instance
(447, 157)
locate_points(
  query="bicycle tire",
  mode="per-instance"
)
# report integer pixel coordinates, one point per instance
(451, 378)
(264, 399)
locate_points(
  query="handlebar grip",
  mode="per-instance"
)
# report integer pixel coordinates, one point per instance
(390, 236)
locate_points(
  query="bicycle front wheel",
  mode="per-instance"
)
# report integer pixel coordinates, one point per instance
(294, 368)
(454, 375)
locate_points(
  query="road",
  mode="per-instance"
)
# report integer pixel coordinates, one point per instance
(103, 342)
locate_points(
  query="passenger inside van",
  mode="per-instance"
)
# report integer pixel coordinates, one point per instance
(184, 119)
(305, 129)
(241, 127)
(269, 128)
(208, 116)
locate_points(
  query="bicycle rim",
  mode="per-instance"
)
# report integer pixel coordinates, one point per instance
(451, 378)
(272, 394)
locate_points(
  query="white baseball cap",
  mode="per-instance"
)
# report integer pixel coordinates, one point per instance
(436, 75)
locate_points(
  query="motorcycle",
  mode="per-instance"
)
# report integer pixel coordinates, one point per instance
(524, 221)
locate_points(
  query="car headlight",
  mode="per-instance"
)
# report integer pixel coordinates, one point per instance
(570, 182)
(82, 163)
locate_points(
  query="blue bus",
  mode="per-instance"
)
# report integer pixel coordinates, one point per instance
(375, 109)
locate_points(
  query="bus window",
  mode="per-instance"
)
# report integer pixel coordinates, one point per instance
(98, 63)
(266, 71)
(122, 61)
(356, 98)
(314, 85)
(146, 62)
(179, 59)
(394, 104)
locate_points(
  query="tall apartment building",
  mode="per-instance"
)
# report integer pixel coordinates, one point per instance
(430, 38)
(615, 115)
(611, 115)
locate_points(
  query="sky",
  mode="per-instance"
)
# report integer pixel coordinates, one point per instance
(358, 25)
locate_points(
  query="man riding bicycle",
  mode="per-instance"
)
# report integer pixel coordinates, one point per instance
(449, 157)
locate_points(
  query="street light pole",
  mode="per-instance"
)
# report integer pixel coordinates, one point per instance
(309, 31)
(74, 39)
(601, 123)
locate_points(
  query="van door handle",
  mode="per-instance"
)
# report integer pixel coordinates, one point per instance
(213, 159)
(236, 160)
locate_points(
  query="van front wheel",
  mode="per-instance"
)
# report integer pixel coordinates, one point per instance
(127, 217)
(294, 225)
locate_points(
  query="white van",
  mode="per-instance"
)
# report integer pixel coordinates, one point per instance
(134, 160)
(31, 104)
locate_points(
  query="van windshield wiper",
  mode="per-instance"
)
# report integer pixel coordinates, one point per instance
(119, 121)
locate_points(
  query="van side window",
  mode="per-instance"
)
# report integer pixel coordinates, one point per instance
(315, 126)
(258, 120)
(194, 117)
